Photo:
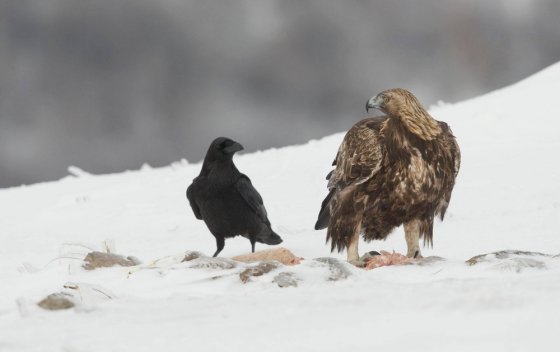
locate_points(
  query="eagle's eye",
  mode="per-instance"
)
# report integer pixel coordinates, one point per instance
(386, 98)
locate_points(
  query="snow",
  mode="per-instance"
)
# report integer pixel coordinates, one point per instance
(507, 197)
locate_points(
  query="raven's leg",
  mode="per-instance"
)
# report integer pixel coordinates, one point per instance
(220, 242)
(253, 241)
(412, 237)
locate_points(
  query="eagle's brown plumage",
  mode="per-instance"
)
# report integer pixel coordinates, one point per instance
(390, 170)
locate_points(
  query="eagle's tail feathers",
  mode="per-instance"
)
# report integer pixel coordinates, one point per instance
(325, 213)
(427, 232)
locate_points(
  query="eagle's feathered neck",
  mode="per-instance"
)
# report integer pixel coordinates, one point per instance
(417, 120)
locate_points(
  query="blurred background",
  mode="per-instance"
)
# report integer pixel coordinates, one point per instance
(108, 85)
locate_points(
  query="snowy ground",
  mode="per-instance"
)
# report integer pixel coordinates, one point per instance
(507, 197)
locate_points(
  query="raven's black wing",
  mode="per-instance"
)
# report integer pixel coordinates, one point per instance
(252, 197)
(194, 206)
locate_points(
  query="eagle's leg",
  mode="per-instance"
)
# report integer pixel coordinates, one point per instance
(352, 251)
(412, 236)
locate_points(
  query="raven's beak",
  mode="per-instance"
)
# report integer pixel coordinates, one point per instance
(374, 103)
(235, 147)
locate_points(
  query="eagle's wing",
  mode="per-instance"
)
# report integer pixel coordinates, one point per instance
(358, 159)
(253, 199)
(194, 206)
(451, 147)
(360, 154)
(454, 153)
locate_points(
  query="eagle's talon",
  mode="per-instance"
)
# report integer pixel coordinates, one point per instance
(414, 254)
(358, 263)
(364, 259)
(368, 255)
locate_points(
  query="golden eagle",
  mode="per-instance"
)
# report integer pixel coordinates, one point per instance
(390, 170)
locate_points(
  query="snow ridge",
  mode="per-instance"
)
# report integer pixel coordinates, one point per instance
(507, 197)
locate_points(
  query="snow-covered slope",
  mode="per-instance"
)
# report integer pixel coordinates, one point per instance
(507, 197)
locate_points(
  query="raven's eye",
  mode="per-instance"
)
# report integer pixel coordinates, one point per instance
(224, 145)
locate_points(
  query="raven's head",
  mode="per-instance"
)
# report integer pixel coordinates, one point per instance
(223, 148)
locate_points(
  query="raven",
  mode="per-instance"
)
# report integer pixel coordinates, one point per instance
(227, 201)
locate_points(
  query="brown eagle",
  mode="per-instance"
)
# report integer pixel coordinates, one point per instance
(390, 170)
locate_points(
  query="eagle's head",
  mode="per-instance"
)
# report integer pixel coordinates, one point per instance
(393, 101)
(401, 104)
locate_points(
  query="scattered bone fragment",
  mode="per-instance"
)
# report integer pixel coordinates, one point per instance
(82, 296)
(191, 255)
(258, 270)
(57, 301)
(94, 260)
(491, 257)
(286, 279)
(212, 263)
(512, 260)
(339, 270)
(282, 255)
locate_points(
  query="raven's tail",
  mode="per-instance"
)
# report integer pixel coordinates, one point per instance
(325, 213)
(270, 238)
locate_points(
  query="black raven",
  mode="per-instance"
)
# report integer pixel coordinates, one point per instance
(227, 201)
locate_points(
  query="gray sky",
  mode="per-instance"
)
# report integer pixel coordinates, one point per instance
(109, 85)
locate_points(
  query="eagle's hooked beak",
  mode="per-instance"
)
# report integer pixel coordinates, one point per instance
(235, 147)
(374, 103)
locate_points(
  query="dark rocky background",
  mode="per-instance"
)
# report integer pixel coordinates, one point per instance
(107, 85)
